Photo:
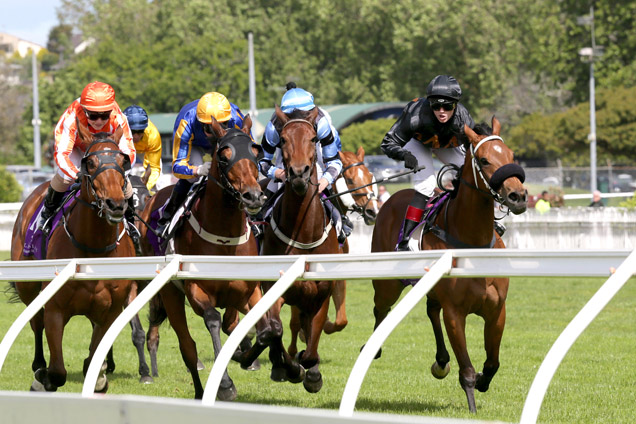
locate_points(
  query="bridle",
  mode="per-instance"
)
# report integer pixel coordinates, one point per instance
(497, 179)
(314, 139)
(369, 195)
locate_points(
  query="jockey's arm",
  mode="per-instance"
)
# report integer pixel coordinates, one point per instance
(330, 145)
(400, 133)
(182, 146)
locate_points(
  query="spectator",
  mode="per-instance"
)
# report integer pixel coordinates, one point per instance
(383, 195)
(543, 204)
(597, 202)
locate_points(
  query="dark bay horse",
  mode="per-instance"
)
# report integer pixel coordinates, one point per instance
(91, 227)
(217, 225)
(299, 225)
(364, 201)
(488, 174)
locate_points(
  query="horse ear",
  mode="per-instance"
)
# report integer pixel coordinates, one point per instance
(217, 128)
(84, 132)
(360, 153)
(472, 135)
(247, 124)
(282, 118)
(496, 126)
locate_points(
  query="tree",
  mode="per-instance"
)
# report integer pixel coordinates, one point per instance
(10, 189)
(368, 134)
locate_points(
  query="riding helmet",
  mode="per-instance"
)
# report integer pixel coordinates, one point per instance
(213, 104)
(444, 86)
(137, 117)
(297, 98)
(98, 97)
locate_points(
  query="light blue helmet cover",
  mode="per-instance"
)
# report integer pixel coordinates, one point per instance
(297, 98)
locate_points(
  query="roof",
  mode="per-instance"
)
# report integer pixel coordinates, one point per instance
(342, 115)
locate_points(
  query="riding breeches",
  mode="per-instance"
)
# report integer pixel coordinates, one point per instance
(425, 181)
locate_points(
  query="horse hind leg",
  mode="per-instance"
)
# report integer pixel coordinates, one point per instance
(295, 329)
(455, 323)
(493, 332)
(156, 316)
(212, 318)
(441, 366)
(338, 295)
(138, 336)
(37, 325)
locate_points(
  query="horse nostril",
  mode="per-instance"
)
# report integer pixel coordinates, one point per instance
(114, 206)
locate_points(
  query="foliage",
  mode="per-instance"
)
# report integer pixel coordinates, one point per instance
(629, 203)
(368, 134)
(10, 189)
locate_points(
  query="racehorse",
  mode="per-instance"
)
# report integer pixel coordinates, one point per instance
(217, 225)
(299, 225)
(364, 201)
(465, 221)
(91, 226)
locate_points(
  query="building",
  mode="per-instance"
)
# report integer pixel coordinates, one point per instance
(10, 44)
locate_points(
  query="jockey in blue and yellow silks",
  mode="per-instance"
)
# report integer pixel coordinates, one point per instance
(192, 138)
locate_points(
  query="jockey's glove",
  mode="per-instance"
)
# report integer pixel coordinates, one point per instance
(203, 170)
(410, 161)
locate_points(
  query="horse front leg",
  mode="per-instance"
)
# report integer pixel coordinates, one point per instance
(37, 326)
(174, 302)
(310, 359)
(284, 368)
(338, 295)
(455, 322)
(493, 332)
(441, 366)
(295, 329)
(212, 318)
(156, 316)
(55, 375)
(387, 292)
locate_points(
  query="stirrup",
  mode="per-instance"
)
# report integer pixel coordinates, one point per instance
(500, 228)
(257, 230)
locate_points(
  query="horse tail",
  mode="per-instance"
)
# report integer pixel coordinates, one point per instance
(12, 292)
(156, 312)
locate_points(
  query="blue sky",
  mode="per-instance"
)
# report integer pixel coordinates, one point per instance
(30, 20)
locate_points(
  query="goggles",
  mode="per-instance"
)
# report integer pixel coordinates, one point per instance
(447, 106)
(94, 116)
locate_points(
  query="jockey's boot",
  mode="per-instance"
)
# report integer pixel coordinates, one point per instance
(500, 228)
(52, 201)
(257, 220)
(177, 197)
(133, 232)
(413, 216)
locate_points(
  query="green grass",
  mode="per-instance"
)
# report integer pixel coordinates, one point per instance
(594, 384)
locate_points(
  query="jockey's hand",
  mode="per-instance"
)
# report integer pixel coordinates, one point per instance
(146, 176)
(203, 170)
(410, 161)
(322, 185)
(279, 174)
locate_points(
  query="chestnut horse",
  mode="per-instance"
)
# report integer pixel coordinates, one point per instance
(299, 225)
(465, 221)
(217, 225)
(91, 227)
(364, 201)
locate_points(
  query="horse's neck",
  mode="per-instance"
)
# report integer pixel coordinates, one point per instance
(87, 226)
(302, 211)
(471, 214)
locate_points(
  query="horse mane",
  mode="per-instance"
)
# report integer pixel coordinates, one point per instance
(296, 114)
(483, 129)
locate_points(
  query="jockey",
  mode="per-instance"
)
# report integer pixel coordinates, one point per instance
(97, 109)
(327, 147)
(147, 141)
(192, 138)
(431, 125)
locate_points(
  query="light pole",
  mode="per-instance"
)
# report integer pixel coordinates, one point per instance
(588, 54)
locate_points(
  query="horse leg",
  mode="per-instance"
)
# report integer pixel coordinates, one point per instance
(295, 328)
(230, 321)
(493, 331)
(264, 336)
(387, 292)
(55, 375)
(338, 295)
(311, 359)
(101, 386)
(455, 322)
(441, 366)
(138, 338)
(37, 325)
(174, 303)
(212, 319)
(284, 368)
(156, 315)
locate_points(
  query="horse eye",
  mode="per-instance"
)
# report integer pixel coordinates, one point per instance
(315, 139)
(484, 161)
(349, 180)
(282, 141)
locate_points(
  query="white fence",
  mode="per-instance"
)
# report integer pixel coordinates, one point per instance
(618, 265)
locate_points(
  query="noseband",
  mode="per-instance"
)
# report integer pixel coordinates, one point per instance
(313, 128)
(500, 175)
(369, 195)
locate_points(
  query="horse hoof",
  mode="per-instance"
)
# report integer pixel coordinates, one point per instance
(36, 386)
(299, 378)
(313, 382)
(200, 365)
(256, 365)
(482, 385)
(438, 372)
(101, 386)
(227, 395)
(146, 379)
(278, 374)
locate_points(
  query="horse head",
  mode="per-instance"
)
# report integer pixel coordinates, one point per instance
(356, 174)
(493, 162)
(235, 165)
(102, 174)
(298, 140)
